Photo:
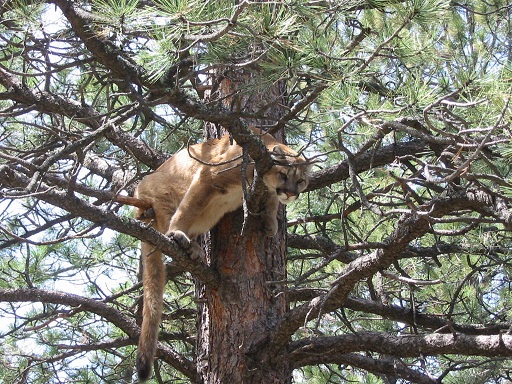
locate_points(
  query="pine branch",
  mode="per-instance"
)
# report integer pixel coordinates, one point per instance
(384, 366)
(367, 160)
(104, 51)
(109, 313)
(329, 349)
(434, 323)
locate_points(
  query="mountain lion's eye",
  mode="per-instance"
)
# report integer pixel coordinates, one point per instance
(283, 175)
(301, 181)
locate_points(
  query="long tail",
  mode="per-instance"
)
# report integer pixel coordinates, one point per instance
(154, 284)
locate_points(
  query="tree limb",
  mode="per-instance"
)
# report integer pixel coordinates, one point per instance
(324, 349)
(370, 159)
(386, 366)
(109, 313)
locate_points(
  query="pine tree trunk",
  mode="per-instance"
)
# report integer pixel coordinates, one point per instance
(233, 320)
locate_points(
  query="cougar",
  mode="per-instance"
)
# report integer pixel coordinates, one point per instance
(189, 194)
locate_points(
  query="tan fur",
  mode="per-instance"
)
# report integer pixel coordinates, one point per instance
(189, 195)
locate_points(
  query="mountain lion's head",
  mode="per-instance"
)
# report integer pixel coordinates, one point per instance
(289, 176)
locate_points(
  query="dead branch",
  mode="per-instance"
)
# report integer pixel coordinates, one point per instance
(133, 201)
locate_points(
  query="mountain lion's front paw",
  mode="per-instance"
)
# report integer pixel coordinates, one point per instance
(270, 227)
(193, 249)
(180, 238)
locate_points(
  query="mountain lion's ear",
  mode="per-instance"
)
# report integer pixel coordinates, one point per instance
(278, 155)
